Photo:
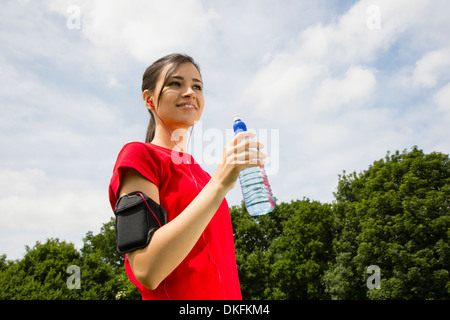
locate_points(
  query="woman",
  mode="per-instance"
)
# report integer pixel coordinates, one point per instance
(191, 256)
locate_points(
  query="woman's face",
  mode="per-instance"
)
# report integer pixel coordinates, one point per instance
(181, 103)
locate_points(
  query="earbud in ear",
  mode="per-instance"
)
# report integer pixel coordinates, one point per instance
(150, 103)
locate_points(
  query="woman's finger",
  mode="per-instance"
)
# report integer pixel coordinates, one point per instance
(251, 156)
(242, 135)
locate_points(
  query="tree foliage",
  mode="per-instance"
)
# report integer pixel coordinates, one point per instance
(283, 255)
(44, 274)
(395, 215)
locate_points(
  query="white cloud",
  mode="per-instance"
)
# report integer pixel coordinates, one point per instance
(142, 29)
(67, 215)
(355, 88)
(323, 53)
(281, 84)
(442, 99)
(350, 40)
(35, 203)
(58, 212)
(324, 93)
(432, 68)
(25, 183)
(57, 134)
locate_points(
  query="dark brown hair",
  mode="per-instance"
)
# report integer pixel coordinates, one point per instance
(151, 77)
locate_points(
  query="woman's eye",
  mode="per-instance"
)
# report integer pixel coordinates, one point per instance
(174, 83)
(178, 84)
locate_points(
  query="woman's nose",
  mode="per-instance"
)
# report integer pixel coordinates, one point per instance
(189, 92)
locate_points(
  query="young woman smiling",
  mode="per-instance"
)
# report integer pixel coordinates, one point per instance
(191, 256)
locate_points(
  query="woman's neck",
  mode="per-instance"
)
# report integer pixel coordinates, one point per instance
(176, 140)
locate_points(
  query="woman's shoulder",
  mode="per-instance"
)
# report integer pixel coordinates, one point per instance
(137, 147)
(139, 151)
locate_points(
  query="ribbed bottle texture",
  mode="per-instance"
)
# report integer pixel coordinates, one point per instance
(255, 187)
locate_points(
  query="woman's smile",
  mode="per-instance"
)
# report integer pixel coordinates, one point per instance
(187, 106)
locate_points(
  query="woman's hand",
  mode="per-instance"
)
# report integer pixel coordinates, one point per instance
(238, 154)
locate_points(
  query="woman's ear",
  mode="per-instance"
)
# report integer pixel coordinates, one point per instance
(148, 100)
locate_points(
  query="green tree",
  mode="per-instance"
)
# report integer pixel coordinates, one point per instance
(284, 254)
(395, 215)
(101, 249)
(44, 272)
(254, 257)
(104, 244)
(41, 274)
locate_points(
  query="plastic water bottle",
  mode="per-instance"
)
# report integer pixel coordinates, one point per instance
(255, 187)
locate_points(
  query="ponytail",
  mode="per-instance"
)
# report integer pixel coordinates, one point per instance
(150, 129)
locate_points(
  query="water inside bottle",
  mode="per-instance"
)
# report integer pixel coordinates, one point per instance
(256, 191)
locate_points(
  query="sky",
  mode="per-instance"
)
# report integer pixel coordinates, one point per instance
(327, 86)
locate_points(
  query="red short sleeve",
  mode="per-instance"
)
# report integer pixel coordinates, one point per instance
(138, 156)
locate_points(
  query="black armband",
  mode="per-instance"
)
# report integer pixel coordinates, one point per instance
(137, 218)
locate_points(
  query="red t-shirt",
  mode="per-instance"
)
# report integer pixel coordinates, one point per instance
(209, 271)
